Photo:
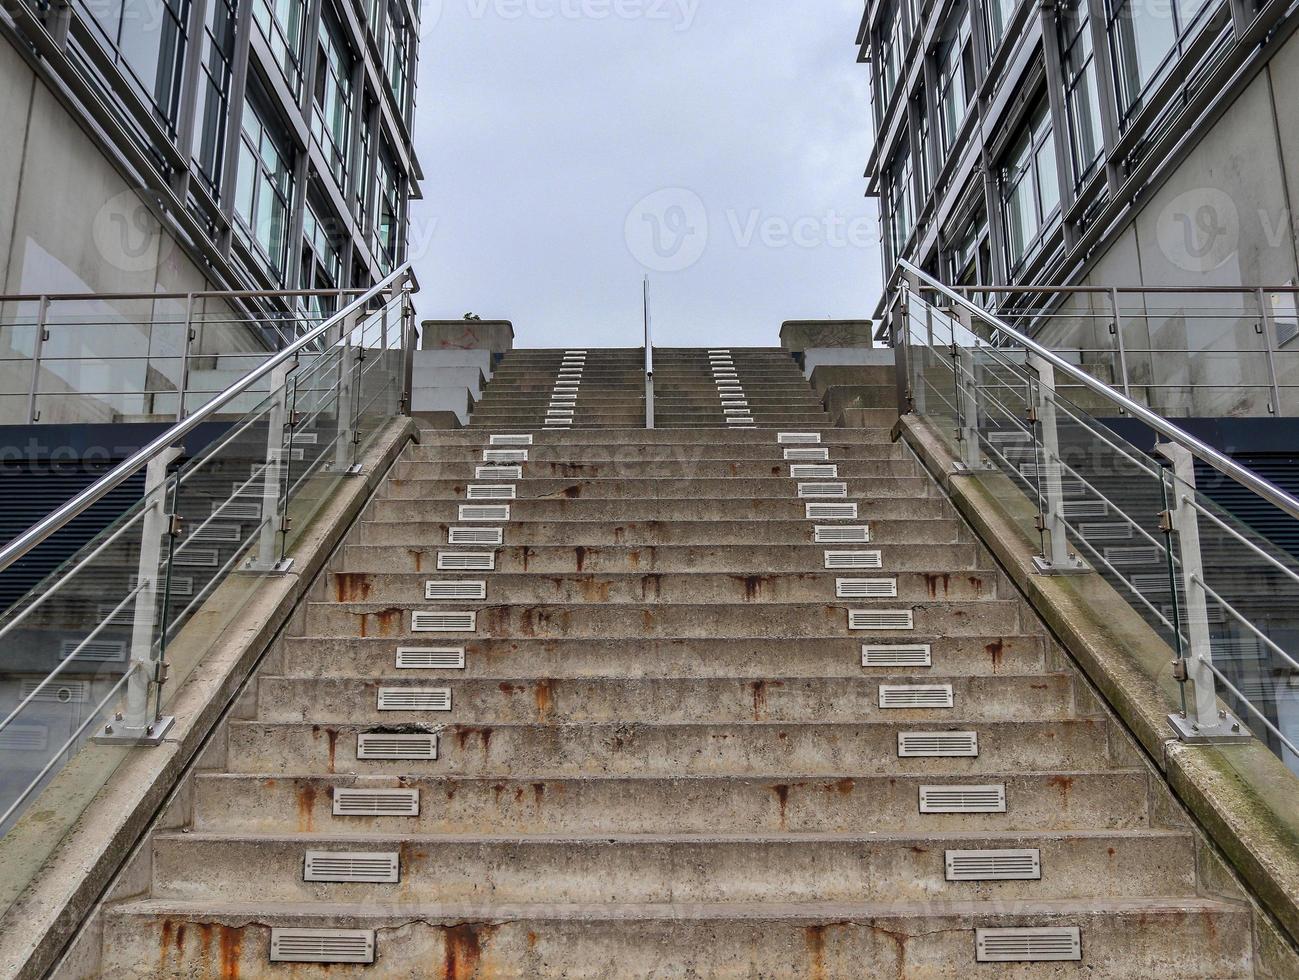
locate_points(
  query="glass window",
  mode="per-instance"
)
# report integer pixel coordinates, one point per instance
(1082, 103)
(147, 40)
(396, 53)
(331, 120)
(213, 95)
(365, 165)
(924, 168)
(1145, 37)
(999, 14)
(387, 211)
(283, 24)
(322, 258)
(265, 190)
(955, 77)
(970, 261)
(901, 198)
(888, 48)
(1030, 186)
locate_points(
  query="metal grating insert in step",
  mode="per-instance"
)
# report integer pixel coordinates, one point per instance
(798, 438)
(443, 622)
(866, 588)
(811, 471)
(916, 696)
(841, 535)
(1017, 864)
(853, 559)
(510, 440)
(963, 799)
(385, 746)
(322, 945)
(880, 619)
(505, 455)
(832, 490)
(498, 473)
(467, 589)
(1028, 945)
(376, 802)
(475, 535)
(430, 658)
(831, 512)
(896, 655)
(491, 491)
(820, 454)
(466, 561)
(414, 699)
(376, 867)
(735, 411)
(484, 512)
(938, 745)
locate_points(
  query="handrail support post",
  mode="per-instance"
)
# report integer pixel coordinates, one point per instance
(1202, 721)
(273, 517)
(1057, 557)
(967, 400)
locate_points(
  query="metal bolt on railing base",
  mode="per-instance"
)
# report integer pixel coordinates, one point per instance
(960, 468)
(1073, 565)
(252, 567)
(1229, 728)
(117, 733)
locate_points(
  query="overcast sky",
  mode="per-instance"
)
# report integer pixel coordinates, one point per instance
(572, 146)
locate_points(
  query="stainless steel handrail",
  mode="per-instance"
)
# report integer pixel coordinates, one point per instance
(78, 505)
(1201, 450)
(649, 359)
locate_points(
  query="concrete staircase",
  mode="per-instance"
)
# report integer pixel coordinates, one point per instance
(565, 389)
(732, 387)
(668, 707)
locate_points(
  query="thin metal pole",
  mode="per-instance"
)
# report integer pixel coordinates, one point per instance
(185, 357)
(38, 346)
(1119, 343)
(1269, 348)
(649, 359)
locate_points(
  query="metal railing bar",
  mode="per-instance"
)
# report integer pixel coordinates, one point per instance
(69, 743)
(1242, 539)
(69, 658)
(58, 518)
(1249, 705)
(202, 294)
(1236, 615)
(1101, 559)
(1158, 423)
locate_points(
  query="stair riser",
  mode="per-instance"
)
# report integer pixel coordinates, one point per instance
(650, 489)
(536, 588)
(831, 439)
(666, 701)
(699, 509)
(726, 750)
(672, 454)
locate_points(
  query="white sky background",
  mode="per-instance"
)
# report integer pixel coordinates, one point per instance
(571, 146)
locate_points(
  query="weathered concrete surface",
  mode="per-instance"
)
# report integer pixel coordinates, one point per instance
(798, 335)
(44, 917)
(496, 336)
(1223, 787)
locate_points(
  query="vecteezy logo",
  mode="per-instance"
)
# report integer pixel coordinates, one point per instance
(430, 13)
(668, 230)
(128, 236)
(1199, 231)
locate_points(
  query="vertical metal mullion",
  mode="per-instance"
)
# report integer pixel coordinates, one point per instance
(194, 47)
(1106, 89)
(235, 116)
(1061, 133)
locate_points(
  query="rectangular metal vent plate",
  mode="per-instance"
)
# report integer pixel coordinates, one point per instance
(484, 512)
(813, 471)
(866, 588)
(1106, 532)
(376, 802)
(1028, 945)
(431, 658)
(498, 473)
(57, 691)
(466, 589)
(798, 438)
(475, 535)
(443, 622)
(853, 559)
(834, 490)
(916, 696)
(414, 699)
(97, 651)
(735, 411)
(24, 738)
(491, 491)
(841, 535)
(1134, 555)
(938, 745)
(819, 455)
(377, 867)
(831, 512)
(466, 561)
(896, 655)
(880, 619)
(511, 440)
(381, 745)
(1019, 864)
(322, 945)
(963, 799)
(505, 455)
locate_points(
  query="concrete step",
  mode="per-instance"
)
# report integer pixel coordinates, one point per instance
(669, 558)
(1132, 939)
(457, 798)
(422, 533)
(330, 700)
(579, 509)
(589, 451)
(706, 657)
(667, 620)
(628, 487)
(830, 438)
(537, 587)
(850, 754)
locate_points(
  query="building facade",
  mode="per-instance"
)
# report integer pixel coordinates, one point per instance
(1131, 143)
(178, 145)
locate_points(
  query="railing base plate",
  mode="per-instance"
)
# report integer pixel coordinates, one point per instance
(1228, 729)
(1044, 567)
(281, 567)
(117, 734)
